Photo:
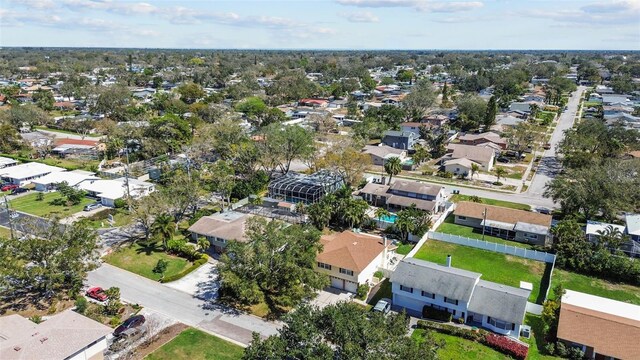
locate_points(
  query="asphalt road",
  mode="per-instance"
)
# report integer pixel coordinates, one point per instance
(549, 165)
(181, 306)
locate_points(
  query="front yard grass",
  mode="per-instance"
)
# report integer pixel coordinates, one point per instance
(194, 344)
(30, 205)
(99, 220)
(404, 249)
(5, 232)
(496, 267)
(595, 286)
(449, 227)
(507, 204)
(536, 341)
(142, 258)
(456, 348)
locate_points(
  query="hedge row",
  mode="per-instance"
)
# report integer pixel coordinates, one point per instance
(500, 343)
(185, 272)
(436, 314)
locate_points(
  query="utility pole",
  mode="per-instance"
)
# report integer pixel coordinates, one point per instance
(126, 179)
(484, 222)
(6, 205)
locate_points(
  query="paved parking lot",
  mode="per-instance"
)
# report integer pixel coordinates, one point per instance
(330, 296)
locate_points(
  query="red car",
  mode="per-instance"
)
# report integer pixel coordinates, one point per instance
(97, 293)
(9, 187)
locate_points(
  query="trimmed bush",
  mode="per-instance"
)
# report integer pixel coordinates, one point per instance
(187, 271)
(473, 335)
(436, 314)
(363, 290)
(506, 346)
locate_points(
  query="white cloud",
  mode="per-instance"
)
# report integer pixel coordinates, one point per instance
(595, 14)
(420, 5)
(360, 17)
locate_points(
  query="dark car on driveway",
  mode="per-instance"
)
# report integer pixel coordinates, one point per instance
(503, 159)
(132, 322)
(18, 191)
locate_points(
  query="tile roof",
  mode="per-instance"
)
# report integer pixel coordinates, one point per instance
(350, 250)
(501, 214)
(611, 327)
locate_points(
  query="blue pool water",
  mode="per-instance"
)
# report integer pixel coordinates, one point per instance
(389, 218)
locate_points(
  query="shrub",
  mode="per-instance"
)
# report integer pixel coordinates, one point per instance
(378, 274)
(36, 319)
(114, 321)
(550, 348)
(472, 335)
(363, 290)
(186, 271)
(40, 196)
(436, 314)
(497, 183)
(119, 203)
(507, 346)
(81, 304)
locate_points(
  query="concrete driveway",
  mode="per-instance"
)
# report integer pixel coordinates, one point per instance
(202, 283)
(330, 296)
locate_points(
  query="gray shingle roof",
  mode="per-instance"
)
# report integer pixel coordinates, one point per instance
(438, 279)
(499, 301)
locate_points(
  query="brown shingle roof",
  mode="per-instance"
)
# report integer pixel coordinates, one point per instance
(375, 189)
(416, 187)
(476, 153)
(228, 226)
(407, 202)
(488, 136)
(349, 250)
(501, 214)
(608, 334)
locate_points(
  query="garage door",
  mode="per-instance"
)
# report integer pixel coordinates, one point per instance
(337, 283)
(351, 286)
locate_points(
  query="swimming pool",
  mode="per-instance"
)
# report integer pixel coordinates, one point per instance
(389, 218)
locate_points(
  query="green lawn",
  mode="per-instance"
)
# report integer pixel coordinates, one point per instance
(29, 204)
(141, 259)
(404, 249)
(99, 220)
(456, 348)
(508, 204)
(536, 341)
(383, 292)
(194, 344)
(496, 267)
(448, 227)
(5, 232)
(595, 286)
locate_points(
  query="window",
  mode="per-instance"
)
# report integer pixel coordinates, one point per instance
(429, 295)
(324, 266)
(407, 289)
(346, 272)
(451, 301)
(501, 324)
(462, 217)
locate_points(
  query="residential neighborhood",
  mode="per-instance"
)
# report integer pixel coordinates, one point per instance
(287, 181)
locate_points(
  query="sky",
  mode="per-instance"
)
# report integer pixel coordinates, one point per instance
(324, 24)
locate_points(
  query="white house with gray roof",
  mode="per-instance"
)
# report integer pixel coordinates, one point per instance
(500, 308)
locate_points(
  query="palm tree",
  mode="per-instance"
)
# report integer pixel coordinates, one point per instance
(163, 226)
(354, 211)
(474, 169)
(611, 237)
(393, 166)
(380, 213)
(500, 173)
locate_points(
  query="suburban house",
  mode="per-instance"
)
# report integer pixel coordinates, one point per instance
(7, 162)
(67, 335)
(631, 229)
(633, 226)
(400, 139)
(23, 174)
(350, 259)
(295, 187)
(220, 228)
(72, 178)
(403, 193)
(601, 327)
(511, 224)
(313, 102)
(479, 154)
(616, 99)
(486, 137)
(459, 166)
(435, 119)
(64, 147)
(413, 127)
(381, 153)
(416, 284)
(108, 191)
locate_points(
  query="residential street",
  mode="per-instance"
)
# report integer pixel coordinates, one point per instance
(549, 165)
(181, 306)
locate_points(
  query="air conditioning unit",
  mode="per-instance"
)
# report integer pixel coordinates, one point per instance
(525, 331)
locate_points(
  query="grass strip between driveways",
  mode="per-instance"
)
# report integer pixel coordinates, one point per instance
(194, 344)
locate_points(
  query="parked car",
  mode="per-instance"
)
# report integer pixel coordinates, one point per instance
(92, 206)
(127, 338)
(18, 191)
(546, 146)
(97, 293)
(543, 210)
(9, 187)
(383, 305)
(132, 322)
(503, 159)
